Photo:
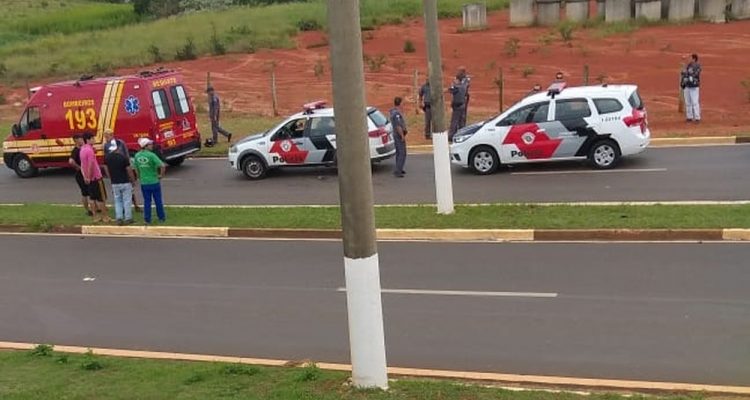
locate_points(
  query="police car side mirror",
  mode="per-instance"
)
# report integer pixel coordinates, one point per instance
(16, 130)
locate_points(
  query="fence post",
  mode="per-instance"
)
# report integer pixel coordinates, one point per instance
(500, 83)
(586, 75)
(415, 91)
(274, 102)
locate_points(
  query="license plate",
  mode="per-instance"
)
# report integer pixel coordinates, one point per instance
(168, 134)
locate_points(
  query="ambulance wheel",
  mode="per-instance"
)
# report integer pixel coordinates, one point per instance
(176, 162)
(483, 160)
(604, 154)
(253, 167)
(23, 167)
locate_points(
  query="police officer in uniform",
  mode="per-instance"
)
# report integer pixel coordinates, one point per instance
(424, 104)
(458, 105)
(466, 82)
(399, 136)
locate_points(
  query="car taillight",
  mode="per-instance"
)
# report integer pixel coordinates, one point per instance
(638, 117)
(379, 133)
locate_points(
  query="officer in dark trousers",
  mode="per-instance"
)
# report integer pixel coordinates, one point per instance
(214, 113)
(424, 104)
(466, 83)
(458, 105)
(399, 137)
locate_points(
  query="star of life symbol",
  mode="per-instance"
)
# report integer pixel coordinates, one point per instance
(286, 146)
(132, 105)
(528, 138)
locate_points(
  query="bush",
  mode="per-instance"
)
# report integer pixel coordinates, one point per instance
(409, 46)
(188, 51)
(566, 31)
(307, 24)
(155, 53)
(309, 373)
(217, 46)
(42, 350)
(375, 64)
(746, 84)
(3, 100)
(528, 71)
(511, 46)
(318, 69)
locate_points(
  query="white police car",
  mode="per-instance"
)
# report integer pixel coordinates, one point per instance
(598, 123)
(304, 139)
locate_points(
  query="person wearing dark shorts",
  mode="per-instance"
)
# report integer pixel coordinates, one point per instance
(75, 163)
(92, 176)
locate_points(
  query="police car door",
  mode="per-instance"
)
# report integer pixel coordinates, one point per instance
(322, 139)
(572, 127)
(527, 138)
(288, 145)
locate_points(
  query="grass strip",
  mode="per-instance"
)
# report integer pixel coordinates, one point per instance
(42, 217)
(89, 376)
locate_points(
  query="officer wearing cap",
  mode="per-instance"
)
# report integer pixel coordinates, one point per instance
(466, 82)
(214, 112)
(458, 104)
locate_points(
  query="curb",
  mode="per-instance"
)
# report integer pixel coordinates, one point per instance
(534, 381)
(444, 235)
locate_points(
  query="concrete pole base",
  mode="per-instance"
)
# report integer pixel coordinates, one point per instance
(713, 10)
(577, 10)
(649, 10)
(681, 10)
(617, 10)
(548, 12)
(741, 9)
(521, 12)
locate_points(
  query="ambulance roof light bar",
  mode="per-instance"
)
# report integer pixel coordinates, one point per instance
(556, 88)
(309, 108)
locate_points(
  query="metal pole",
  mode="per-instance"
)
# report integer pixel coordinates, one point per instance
(440, 146)
(361, 266)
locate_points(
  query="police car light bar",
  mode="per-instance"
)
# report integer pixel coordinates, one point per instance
(556, 88)
(315, 105)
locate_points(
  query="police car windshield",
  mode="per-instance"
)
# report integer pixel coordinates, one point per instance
(378, 118)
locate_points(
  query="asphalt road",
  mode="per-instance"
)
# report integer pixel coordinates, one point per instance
(661, 174)
(660, 312)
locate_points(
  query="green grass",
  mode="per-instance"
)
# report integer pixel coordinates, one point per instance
(80, 44)
(42, 217)
(75, 376)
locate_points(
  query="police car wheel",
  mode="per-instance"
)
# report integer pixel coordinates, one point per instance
(253, 167)
(23, 167)
(484, 160)
(604, 154)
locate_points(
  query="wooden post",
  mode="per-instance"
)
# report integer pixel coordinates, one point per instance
(585, 74)
(500, 83)
(416, 91)
(273, 89)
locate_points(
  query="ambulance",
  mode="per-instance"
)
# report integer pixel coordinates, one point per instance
(151, 104)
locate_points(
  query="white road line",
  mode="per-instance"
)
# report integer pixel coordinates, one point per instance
(464, 293)
(606, 171)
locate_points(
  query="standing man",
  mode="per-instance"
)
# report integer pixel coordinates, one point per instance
(150, 170)
(214, 113)
(399, 137)
(559, 77)
(424, 104)
(75, 163)
(92, 176)
(534, 90)
(458, 103)
(466, 83)
(122, 178)
(111, 143)
(691, 82)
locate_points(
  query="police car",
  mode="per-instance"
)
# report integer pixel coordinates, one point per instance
(304, 139)
(598, 123)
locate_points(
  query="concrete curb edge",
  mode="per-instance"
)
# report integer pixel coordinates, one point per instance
(537, 380)
(447, 235)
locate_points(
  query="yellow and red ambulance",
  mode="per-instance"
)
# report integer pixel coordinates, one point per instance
(152, 104)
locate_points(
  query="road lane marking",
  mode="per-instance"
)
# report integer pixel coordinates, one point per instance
(606, 171)
(469, 293)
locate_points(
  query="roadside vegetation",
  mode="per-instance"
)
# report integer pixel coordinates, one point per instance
(90, 376)
(45, 217)
(67, 38)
